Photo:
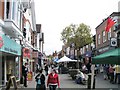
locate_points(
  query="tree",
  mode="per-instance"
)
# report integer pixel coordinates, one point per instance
(68, 34)
(78, 34)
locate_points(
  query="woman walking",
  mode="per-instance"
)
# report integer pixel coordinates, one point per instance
(40, 80)
(53, 80)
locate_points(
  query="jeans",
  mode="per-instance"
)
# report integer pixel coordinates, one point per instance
(111, 77)
(25, 80)
(117, 76)
(40, 87)
(52, 87)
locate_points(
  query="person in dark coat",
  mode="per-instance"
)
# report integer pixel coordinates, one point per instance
(24, 72)
(46, 69)
(40, 80)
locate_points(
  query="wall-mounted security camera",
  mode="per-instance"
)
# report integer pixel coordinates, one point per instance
(113, 42)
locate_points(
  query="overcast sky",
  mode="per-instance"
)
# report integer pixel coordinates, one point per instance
(55, 15)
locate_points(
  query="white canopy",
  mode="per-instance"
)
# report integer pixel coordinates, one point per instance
(66, 59)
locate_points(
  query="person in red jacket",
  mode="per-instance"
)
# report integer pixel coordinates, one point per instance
(53, 80)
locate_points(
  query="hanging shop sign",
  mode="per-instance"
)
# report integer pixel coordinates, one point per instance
(9, 46)
(1, 42)
(104, 49)
(26, 52)
(34, 54)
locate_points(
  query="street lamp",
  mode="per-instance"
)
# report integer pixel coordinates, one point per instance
(118, 39)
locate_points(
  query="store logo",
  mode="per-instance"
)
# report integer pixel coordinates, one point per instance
(1, 42)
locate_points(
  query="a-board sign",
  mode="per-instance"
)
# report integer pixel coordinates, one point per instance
(12, 81)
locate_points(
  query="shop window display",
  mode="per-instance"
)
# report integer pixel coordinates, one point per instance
(13, 67)
(17, 68)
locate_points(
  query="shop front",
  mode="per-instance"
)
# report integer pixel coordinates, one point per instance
(27, 56)
(10, 55)
(34, 57)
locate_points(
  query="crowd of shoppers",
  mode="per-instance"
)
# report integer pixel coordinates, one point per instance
(112, 73)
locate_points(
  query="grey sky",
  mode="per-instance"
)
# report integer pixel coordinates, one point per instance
(55, 15)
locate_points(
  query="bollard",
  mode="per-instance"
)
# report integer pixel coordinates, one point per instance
(89, 82)
(94, 83)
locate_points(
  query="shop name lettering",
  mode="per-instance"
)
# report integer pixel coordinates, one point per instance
(10, 50)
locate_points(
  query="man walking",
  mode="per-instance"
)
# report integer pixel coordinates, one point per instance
(117, 72)
(24, 72)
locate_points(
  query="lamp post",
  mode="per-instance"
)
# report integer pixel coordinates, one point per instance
(118, 39)
(78, 59)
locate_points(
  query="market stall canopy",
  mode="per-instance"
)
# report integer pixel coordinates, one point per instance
(110, 57)
(66, 59)
(56, 59)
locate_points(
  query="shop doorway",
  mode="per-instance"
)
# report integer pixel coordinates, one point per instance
(3, 71)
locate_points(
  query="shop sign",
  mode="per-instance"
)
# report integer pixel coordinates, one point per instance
(34, 54)
(26, 52)
(9, 46)
(88, 54)
(1, 42)
(103, 49)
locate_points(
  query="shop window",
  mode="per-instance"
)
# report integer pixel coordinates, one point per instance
(17, 68)
(3, 72)
(24, 32)
(10, 66)
(109, 34)
(13, 10)
(98, 38)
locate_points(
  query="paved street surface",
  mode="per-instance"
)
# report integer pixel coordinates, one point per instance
(67, 82)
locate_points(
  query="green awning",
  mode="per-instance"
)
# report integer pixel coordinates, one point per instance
(110, 57)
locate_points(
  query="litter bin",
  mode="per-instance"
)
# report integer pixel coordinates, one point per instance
(89, 82)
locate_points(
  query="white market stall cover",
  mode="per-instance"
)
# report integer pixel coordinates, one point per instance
(66, 59)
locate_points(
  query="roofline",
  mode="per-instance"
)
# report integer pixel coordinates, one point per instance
(113, 14)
